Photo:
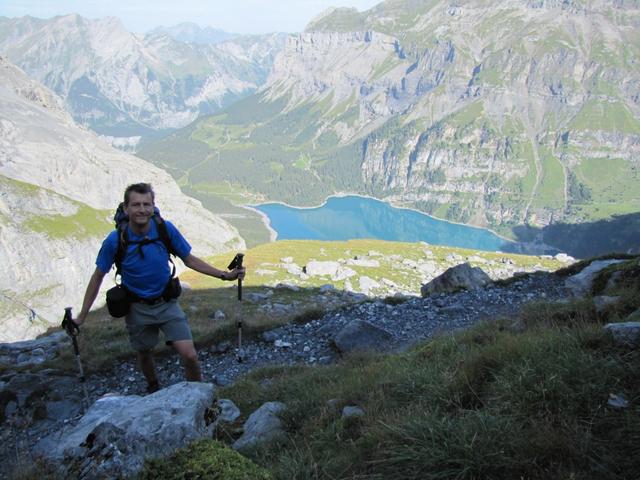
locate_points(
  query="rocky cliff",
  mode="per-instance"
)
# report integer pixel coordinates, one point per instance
(60, 186)
(129, 87)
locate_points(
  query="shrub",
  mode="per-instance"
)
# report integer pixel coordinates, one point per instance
(204, 459)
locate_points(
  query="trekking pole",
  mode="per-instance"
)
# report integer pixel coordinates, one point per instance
(73, 330)
(237, 263)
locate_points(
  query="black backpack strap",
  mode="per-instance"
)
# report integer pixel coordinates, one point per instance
(163, 233)
(122, 247)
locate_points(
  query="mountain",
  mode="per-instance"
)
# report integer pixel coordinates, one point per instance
(60, 186)
(496, 113)
(189, 32)
(130, 88)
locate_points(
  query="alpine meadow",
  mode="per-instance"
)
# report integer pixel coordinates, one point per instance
(320, 240)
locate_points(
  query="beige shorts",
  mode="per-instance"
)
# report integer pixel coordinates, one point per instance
(144, 323)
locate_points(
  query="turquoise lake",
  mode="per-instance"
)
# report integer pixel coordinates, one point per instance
(345, 218)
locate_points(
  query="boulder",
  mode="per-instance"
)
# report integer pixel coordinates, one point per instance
(363, 262)
(342, 273)
(229, 412)
(626, 334)
(634, 317)
(460, 277)
(117, 434)
(262, 427)
(352, 411)
(601, 302)
(316, 268)
(564, 258)
(367, 284)
(292, 268)
(359, 335)
(580, 284)
(33, 352)
(38, 397)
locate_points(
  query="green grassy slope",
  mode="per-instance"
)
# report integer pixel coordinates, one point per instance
(524, 397)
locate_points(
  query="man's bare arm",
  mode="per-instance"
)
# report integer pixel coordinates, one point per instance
(90, 295)
(201, 266)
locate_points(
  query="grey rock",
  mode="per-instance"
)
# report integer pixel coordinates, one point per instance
(221, 380)
(318, 268)
(229, 412)
(625, 334)
(34, 396)
(460, 277)
(359, 335)
(33, 352)
(118, 433)
(363, 262)
(352, 411)
(258, 297)
(580, 284)
(617, 401)
(270, 336)
(367, 284)
(564, 258)
(633, 317)
(327, 288)
(342, 273)
(292, 268)
(262, 427)
(603, 301)
(222, 347)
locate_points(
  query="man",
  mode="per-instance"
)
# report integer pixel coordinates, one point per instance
(145, 274)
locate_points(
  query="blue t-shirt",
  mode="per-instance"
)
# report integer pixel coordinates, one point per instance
(145, 275)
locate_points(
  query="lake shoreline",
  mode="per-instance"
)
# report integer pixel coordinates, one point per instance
(267, 221)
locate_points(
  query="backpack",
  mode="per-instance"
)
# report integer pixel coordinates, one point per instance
(121, 220)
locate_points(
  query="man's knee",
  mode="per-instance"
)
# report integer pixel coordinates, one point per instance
(187, 351)
(190, 358)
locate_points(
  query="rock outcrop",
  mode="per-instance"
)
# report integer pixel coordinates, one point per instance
(262, 427)
(460, 277)
(117, 434)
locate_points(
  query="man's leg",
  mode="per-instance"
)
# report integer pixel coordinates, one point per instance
(187, 351)
(148, 368)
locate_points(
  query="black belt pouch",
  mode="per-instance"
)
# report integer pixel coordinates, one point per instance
(118, 302)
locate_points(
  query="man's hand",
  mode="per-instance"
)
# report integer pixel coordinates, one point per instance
(80, 319)
(72, 327)
(236, 273)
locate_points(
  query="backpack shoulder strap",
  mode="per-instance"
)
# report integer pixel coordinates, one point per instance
(163, 233)
(121, 251)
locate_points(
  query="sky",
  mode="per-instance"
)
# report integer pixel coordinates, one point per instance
(235, 16)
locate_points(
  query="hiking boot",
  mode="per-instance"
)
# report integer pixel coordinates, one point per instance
(153, 387)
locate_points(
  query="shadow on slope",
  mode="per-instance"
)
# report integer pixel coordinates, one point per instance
(620, 233)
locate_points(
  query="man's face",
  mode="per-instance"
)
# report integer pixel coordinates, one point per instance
(140, 208)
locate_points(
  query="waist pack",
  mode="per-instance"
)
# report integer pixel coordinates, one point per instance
(118, 301)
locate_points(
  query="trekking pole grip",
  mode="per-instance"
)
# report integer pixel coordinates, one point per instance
(237, 263)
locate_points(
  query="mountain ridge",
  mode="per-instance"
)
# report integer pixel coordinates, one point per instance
(127, 86)
(500, 115)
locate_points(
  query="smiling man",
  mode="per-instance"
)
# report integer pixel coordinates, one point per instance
(146, 275)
